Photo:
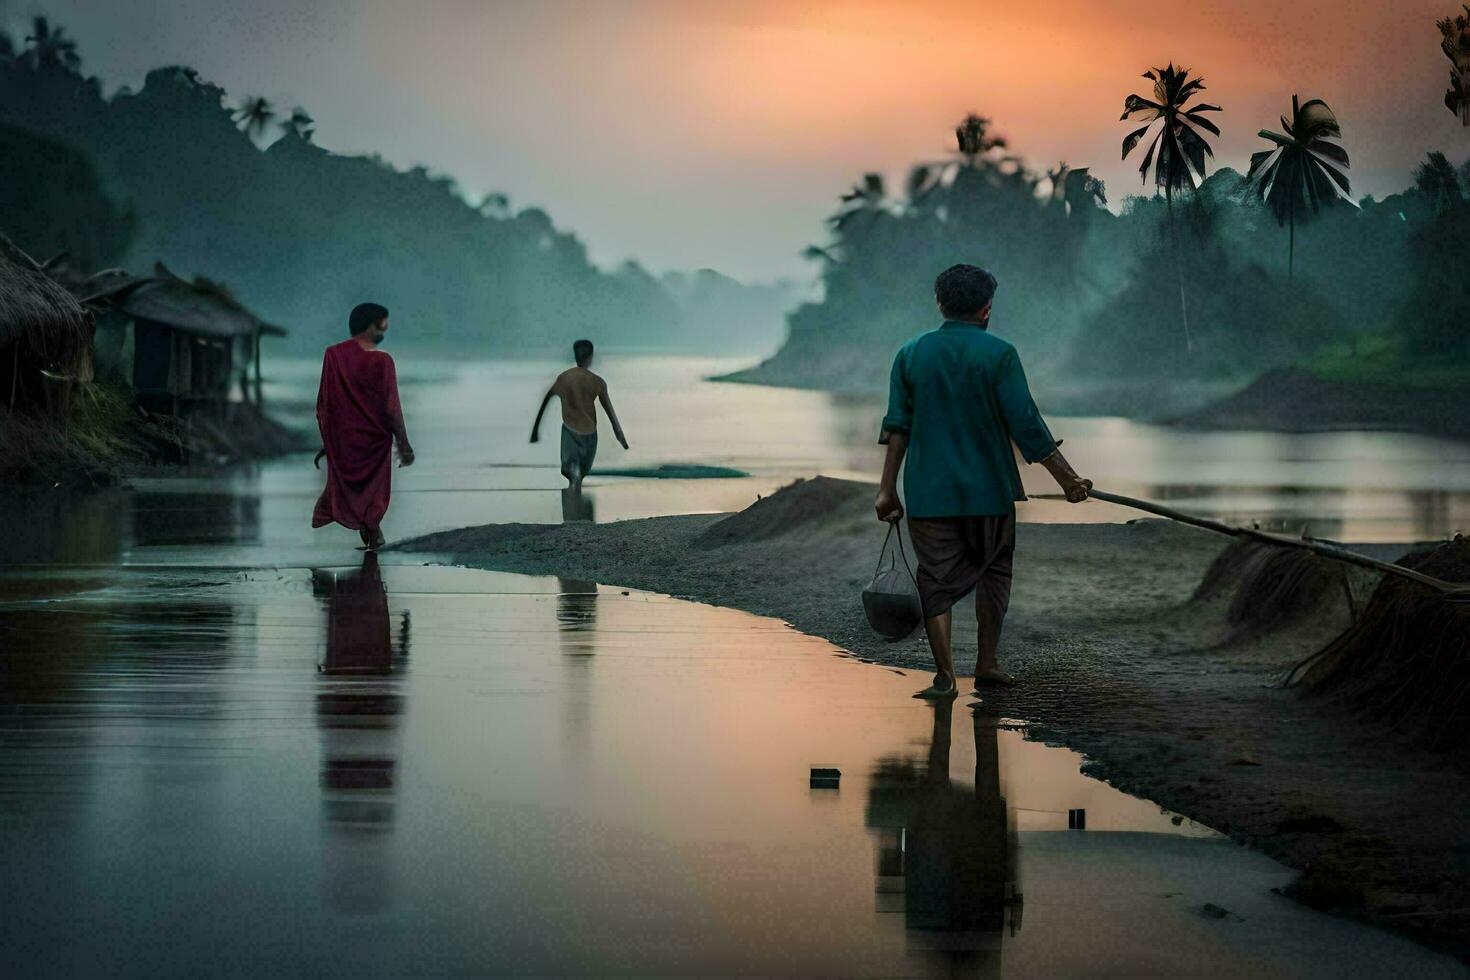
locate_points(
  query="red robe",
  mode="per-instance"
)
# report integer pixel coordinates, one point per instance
(357, 411)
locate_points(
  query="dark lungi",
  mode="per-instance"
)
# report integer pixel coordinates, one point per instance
(957, 554)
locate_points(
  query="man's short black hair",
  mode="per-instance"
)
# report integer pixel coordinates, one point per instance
(582, 350)
(365, 315)
(963, 290)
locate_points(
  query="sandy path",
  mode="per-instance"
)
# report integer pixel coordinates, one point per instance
(1116, 661)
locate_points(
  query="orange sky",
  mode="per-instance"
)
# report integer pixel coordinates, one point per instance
(702, 132)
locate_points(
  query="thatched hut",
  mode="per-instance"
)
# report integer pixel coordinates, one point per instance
(187, 344)
(45, 337)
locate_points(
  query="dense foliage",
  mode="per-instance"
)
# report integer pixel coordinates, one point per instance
(1094, 297)
(301, 233)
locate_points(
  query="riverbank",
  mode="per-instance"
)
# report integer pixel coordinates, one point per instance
(1286, 400)
(1301, 401)
(1117, 660)
(107, 440)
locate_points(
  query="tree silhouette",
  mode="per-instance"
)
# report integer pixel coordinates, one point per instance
(866, 199)
(1075, 190)
(255, 115)
(1437, 308)
(974, 138)
(301, 123)
(49, 47)
(495, 205)
(1177, 152)
(1308, 165)
(1456, 47)
(1438, 181)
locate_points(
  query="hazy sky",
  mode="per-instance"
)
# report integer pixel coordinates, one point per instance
(692, 133)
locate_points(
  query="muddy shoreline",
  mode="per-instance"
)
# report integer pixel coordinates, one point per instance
(1116, 661)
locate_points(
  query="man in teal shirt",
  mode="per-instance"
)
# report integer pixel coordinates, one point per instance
(957, 401)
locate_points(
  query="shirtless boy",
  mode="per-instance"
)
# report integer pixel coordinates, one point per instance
(579, 389)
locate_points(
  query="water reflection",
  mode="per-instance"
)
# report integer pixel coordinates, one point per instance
(195, 518)
(577, 505)
(669, 831)
(576, 614)
(358, 708)
(49, 526)
(946, 852)
(576, 625)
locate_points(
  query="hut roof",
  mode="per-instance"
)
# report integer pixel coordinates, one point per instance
(102, 287)
(201, 307)
(35, 310)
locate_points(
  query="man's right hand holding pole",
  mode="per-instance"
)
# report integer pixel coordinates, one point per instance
(1074, 486)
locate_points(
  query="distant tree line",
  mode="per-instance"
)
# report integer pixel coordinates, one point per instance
(1218, 275)
(174, 172)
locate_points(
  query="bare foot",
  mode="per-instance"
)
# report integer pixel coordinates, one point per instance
(995, 676)
(939, 690)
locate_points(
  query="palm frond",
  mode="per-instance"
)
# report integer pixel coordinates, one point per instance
(1177, 154)
(1308, 164)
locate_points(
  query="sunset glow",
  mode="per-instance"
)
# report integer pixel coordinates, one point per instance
(722, 133)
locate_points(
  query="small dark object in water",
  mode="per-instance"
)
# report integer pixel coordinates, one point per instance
(1076, 819)
(891, 600)
(1212, 911)
(826, 778)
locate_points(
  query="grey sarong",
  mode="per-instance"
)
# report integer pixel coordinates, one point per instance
(578, 450)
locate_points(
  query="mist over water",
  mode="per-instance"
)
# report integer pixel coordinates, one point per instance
(470, 420)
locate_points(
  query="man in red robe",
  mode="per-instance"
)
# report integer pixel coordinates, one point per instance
(360, 419)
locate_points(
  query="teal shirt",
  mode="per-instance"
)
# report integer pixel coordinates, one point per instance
(960, 394)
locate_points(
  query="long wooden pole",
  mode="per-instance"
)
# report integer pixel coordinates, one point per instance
(1459, 590)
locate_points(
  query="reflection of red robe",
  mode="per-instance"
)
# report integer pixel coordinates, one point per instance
(357, 410)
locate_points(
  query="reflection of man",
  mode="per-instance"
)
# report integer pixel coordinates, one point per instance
(358, 640)
(957, 401)
(950, 845)
(357, 711)
(360, 419)
(577, 505)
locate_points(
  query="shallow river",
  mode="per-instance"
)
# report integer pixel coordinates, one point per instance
(469, 422)
(416, 770)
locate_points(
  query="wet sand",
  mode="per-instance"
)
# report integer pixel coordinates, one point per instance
(1115, 661)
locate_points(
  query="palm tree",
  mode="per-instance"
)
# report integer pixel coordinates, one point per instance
(255, 115)
(301, 123)
(866, 199)
(1437, 180)
(50, 47)
(974, 139)
(1456, 47)
(1075, 189)
(1177, 152)
(1307, 164)
(923, 180)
